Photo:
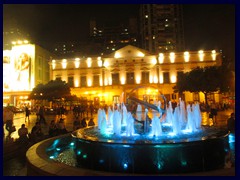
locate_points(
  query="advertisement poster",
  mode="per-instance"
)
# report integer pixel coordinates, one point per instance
(17, 68)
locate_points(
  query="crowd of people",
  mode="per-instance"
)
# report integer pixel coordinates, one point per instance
(57, 127)
(28, 137)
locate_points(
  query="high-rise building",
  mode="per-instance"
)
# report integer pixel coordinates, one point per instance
(161, 27)
(113, 36)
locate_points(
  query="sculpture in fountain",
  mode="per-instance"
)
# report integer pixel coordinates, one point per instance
(172, 141)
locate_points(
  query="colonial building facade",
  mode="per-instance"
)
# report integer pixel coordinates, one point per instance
(104, 79)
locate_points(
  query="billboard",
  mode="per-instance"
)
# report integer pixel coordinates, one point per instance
(17, 68)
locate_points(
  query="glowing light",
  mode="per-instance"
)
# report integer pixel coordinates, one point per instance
(231, 138)
(140, 54)
(64, 63)
(173, 78)
(19, 42)
(14, 43)
(155, 79)
(77, 62)
(159, 165)
(154, 61)
(213, 55)
(99, 63)
(186, 56)
(172, 57)
(183, 163)
(150, 79)
(161, 58)
(79, 152)
(51, 157)
(109, 81)
(72, 144)
(106, 63)
(122, 80)
(138, 79)
(26, 41)
(117, 55)
(148, 91)
(84, 156)
(89, 62)
(53, 64)
(161, 79)
(76, 84)
(201, 55)
(125, 165)
(89, 83)
(58, 149)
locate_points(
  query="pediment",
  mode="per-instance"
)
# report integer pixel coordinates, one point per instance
(129, 51)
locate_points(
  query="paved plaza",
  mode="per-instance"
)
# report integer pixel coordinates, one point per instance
(16, 165)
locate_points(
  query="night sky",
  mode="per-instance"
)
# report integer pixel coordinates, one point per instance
(208, 26)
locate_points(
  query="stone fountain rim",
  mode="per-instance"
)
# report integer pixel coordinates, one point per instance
(224, 133)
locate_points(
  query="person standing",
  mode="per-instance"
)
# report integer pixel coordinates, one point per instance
(27, 113)
(41, 115)
(231, 123)
(8, 120)
(214, 113)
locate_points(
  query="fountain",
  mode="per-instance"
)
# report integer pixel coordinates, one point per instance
(140, 137)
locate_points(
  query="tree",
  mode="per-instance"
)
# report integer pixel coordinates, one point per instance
(52, 91)
(205, 80)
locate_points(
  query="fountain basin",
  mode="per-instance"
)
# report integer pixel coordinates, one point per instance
(121, 157)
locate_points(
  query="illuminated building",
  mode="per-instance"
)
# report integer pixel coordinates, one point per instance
(161, 27)
(24, 67)
(104, 79)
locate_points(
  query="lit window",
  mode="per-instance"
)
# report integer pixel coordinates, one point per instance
(172, 57)
(89, 62)
(161, 58)
(201, 55)
(77, 62)
(186, 56)
(64, 63)
(213, 55)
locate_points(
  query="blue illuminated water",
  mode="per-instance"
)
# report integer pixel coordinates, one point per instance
(174, 142)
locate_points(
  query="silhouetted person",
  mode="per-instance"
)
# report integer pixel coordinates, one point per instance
(83, 123)
(61, 128)
(91, 122)
(76, 124)
(27, 113)
(36, 133)
(52, 131)
(23, 135)
(231, 123)
(42, 115)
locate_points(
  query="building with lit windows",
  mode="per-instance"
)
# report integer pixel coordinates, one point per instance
(24, 67)
(103, 79)
(113, 36)
(161, 27)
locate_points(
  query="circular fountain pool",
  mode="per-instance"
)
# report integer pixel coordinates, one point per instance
(127, 141)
